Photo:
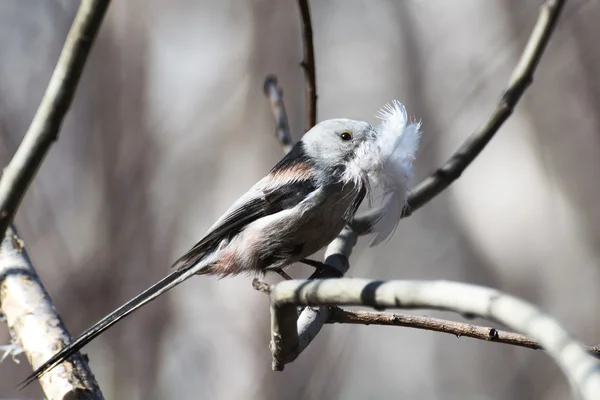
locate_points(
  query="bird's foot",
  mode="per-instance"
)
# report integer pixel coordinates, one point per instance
(323, 269)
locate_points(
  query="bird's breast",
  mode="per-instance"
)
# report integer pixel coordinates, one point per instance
(290, 235)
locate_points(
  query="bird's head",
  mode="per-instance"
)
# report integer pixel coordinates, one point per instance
(342, 145)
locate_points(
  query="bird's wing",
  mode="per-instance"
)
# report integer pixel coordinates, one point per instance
(259, 202)
(290, 182)
(283, 188)
(250, 209)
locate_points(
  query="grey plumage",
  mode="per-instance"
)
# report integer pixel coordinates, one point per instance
(299, 207)
(296, 209)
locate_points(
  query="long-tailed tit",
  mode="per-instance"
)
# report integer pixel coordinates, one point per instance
(299, 207)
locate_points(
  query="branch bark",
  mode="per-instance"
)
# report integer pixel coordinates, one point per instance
(29, 311)
(312, 319)
(339, 315)
(308, 64)
(32, 319)
(43, 131)
(520, 80)
(581, 369)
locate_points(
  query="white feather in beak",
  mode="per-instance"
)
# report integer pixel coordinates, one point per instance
(397, 141)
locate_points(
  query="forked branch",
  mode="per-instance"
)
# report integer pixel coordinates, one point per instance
(581, 369)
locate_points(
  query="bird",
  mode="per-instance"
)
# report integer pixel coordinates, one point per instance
(298, 208)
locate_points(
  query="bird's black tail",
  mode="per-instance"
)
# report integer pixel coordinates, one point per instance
(170, 281)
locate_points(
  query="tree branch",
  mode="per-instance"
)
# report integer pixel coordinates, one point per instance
(308, 64)
(275, 95)
(33, 321)
(311, 319)
(581, 369)
(337, 315)
(520, 80)
(29, 311)
(46, 123)
(459, 329)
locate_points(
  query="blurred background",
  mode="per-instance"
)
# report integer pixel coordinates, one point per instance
(169, 126)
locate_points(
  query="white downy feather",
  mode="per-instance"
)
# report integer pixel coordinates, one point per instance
(397, 141)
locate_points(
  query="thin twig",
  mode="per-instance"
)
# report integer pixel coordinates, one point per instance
(581, 369)
(459, 329)
(43, 131)
(308, 64)
(33, 321)
(520, 80)
(339, 315)
(275, 95)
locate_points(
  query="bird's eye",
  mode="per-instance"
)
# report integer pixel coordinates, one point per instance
(346, 136)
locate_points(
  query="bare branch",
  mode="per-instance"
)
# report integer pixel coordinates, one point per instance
(32, 320)
(581, 369)
(309, 323)
(29, 311)
(459, 329)
(43, 130)
(308, 64)
(287, 345)
(520, 80)
(311, 319)
(275, 95)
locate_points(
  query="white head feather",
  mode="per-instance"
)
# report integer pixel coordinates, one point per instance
(383, 155)
(397, 141)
